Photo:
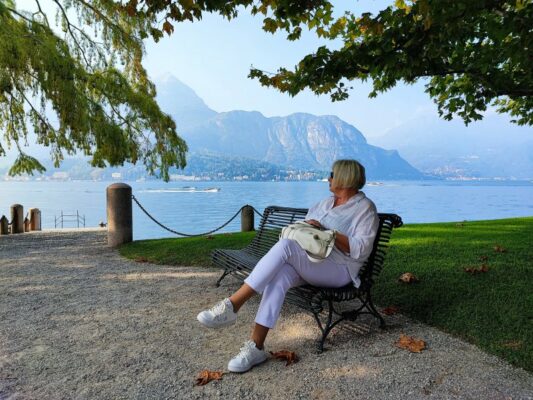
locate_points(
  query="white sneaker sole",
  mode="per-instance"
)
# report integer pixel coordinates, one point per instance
(214, 325)
(244, 369)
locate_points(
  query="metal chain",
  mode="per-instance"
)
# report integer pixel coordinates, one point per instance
(255, 210)
(187, 234)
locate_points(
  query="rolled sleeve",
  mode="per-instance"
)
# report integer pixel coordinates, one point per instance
(362, 238)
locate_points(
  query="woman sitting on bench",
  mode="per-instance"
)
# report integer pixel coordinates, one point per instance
(286, 264)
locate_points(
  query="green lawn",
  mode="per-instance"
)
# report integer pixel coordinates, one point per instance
(492, 309)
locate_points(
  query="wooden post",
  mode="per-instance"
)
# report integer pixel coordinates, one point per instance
(35, 219)
(17, 218)
(26, 224)
(247, 218)
(4, 225)
(119, 214)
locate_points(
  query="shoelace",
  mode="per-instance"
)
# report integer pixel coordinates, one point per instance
(218, 309)
(245, 350)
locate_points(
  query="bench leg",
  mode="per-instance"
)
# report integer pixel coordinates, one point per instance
(329, 324)
(326, 329)
(226, 272)
(366, 307)
(374, 312)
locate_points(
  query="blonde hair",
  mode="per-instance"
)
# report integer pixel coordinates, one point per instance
(348, 174)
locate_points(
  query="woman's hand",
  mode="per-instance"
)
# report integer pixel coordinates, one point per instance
(342, 242)
(314, 222)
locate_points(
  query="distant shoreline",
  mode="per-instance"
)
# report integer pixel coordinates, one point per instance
(206, 181)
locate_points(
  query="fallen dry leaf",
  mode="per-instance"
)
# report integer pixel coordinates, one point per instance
(408, 278)
(410, 343)
(500, 249)
(474, 270)
(289, 356)
(141, 259)
(483, 258)
(391, 310)
(206, 376)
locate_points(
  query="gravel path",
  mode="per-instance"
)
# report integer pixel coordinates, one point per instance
(78, 321)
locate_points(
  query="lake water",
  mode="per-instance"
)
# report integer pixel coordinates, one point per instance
(198, 211)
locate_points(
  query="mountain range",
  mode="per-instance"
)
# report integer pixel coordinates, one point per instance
(424, 146)
(301, 141)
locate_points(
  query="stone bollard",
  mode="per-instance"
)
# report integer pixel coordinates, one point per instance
(247, 218)
(35, 219)
(17, 218)
(26, 224)
(4, 225)
(119, 214)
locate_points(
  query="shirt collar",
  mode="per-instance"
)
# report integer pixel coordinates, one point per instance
(354, 199)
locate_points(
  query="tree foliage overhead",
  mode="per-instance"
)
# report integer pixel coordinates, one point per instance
(76, 80)
(473, 53)
(75, 76)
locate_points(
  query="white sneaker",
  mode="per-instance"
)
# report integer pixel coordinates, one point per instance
(248, 357)
(218, 316)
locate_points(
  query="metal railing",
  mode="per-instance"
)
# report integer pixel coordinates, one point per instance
(76, 218)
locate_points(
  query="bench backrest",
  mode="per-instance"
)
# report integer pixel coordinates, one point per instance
(275, 217)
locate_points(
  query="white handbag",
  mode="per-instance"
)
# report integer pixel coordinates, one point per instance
(316, 242)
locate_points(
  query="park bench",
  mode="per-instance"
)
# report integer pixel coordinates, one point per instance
(240, 263)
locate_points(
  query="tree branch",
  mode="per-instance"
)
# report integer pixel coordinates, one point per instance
(13, 11)
(102, 16)
(42, 13)
(41, 118)
(14, 135)
(82, 52)
(516, 92)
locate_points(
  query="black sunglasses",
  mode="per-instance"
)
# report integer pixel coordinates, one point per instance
(331, 175)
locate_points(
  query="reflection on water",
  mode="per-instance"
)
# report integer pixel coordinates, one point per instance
(206, 205)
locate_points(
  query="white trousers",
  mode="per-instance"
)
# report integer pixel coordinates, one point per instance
(286, 265)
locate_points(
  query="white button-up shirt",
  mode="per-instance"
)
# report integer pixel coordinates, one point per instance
(358, 219)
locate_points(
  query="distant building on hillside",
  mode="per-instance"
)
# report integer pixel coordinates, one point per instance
(60, 176)
(177, 177)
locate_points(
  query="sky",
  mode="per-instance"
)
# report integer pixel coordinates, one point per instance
(213, 57)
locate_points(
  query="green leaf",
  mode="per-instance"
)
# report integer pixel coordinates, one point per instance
(25, 164)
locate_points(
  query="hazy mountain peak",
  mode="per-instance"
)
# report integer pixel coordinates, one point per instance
(171, 90)
(181, 102)
(240, 114)
(165, 78)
